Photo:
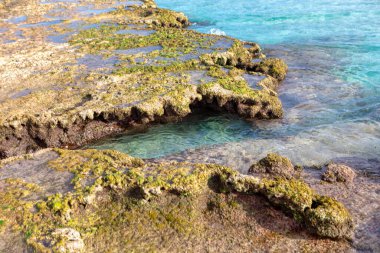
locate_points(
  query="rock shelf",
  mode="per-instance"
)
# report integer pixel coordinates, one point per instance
(101, 80)
(76, 71)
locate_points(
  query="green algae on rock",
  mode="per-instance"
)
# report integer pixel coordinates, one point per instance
(274, 165)
(273, 67)
(328, 217)
(103, 81)
(322, 215)
(118, 199)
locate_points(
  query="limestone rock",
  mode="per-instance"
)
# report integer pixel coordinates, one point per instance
(338, 173)
(274, 165)
(68, 240)
(329, 218)
(273, 67)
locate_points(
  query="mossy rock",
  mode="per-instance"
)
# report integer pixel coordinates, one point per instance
(67, 240)
(148, 82)
(322, 215)
(237, 56)
(274, 165)
(273, 67)
(116, 194)
(329, 218)
(294, 196)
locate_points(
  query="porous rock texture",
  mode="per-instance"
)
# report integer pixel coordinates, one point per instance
(338, 173)
(119, 203)
(93, 75)
(274, 165)
(108, 66)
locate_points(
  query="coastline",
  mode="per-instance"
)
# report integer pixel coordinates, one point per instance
(77, 115)
(99, 179)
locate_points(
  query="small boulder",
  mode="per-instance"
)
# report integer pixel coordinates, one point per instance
(67, 240)
(338, 173)
(275, 165)
(329, 218)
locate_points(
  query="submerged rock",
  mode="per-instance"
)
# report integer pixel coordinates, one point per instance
(274, 165)
(338, 173)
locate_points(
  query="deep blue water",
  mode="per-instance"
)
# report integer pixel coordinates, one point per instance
(331, 96)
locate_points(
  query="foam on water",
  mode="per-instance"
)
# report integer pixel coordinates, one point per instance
(217, 31)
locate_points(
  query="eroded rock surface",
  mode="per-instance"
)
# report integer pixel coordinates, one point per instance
(361, 197)
(67, 240)
(83, 70)
(338, 173)
(274, 165)
(123, 204)
(75, 71)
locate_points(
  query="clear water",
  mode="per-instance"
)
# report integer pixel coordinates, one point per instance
(331, 96)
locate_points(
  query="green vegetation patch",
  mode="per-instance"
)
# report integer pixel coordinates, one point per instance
(116, 194)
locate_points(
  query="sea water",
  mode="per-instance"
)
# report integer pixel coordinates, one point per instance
(331, 96)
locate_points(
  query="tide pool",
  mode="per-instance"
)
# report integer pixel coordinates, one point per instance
(331, 95)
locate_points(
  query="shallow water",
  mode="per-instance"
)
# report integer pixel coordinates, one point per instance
(331, 96)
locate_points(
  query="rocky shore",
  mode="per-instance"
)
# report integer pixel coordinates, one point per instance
(74, 72)
(133, 65)
(89, 200)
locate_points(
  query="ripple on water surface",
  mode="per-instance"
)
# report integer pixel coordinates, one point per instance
(331, 96)
(195, 131)
(325, 118)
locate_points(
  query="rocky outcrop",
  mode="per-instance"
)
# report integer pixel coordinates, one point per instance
(78, 96)
(274, 165)
(329, 218)
(323, 215)
(273, 67)
(116, 199)
(338, 173)
(104, 80)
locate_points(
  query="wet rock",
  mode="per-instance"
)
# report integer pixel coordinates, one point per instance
(254, 48)
(165, 18)
(237, 56)
(222, 59)
(67, 240)
(329, 218)
(273, 67)
(75, 102)
(338, 173)
(274, 165)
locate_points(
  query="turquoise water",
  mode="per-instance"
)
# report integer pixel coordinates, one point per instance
(350, 27)
(331, 96)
